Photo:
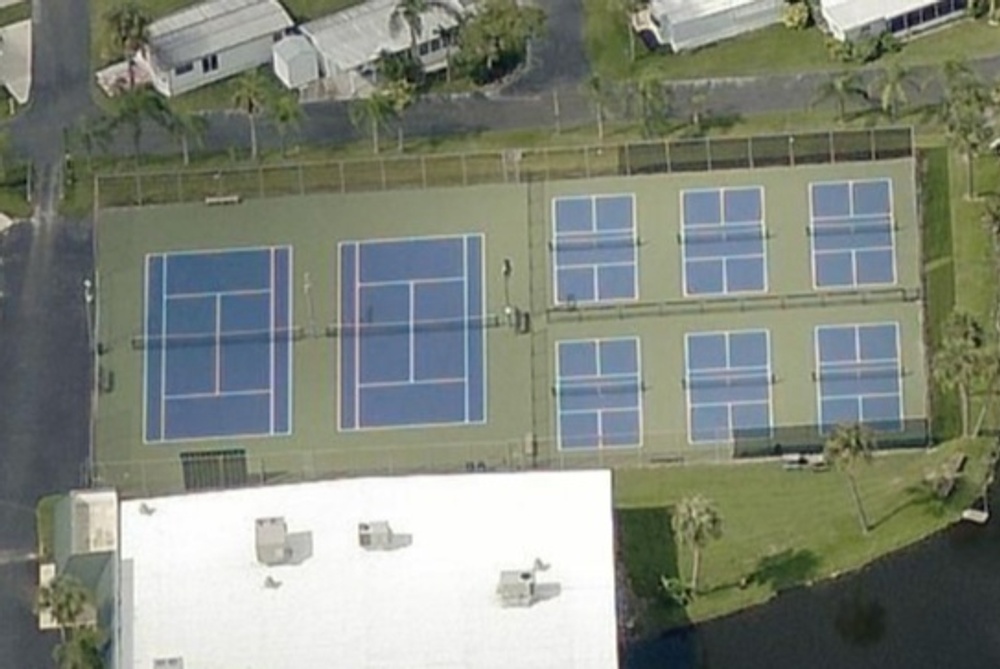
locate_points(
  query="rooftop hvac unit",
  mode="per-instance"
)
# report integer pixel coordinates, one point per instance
(516, 588)
(272, 541)
(376, 535)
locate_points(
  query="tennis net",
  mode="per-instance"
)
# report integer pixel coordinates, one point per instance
(221, 338)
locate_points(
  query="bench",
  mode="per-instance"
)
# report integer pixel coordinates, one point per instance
(222, 199)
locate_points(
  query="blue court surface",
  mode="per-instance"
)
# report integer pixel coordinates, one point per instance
(728, 380)
(852, 234)
(217, 344)
(599, 393)
(723, 241)
(859, 375)
(413, 338)
(594, 249)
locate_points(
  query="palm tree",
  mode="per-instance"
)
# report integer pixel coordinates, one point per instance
(251, 93)
(187, 127)
(961, 362)
(399, 96)
(696, 521)
(598, 92)
(969, 131)
(627, 9)
(133, 108)
(370, 114)
(892, 88)
(66, 599)
(847, 447)
(842, 87)
(286, 112)
(128, 25)
(654, 105)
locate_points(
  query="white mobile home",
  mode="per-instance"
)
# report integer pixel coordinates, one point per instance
(211, 41)
(856, 19)
(689, 24)
(350, 43)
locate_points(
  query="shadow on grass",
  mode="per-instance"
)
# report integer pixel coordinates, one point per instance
(648, 552)
(786, 569)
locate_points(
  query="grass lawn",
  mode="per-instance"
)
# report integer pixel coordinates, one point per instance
(772, 50)
(44, 524)
(15, 13)
(780, 529)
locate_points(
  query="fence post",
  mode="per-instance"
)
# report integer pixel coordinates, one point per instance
(667, 156)
(423, 170)
(833, 153)
(586, 161)
(791, 150)
(548, 167)
(180, 187)
(465, 170)
(260, 180)
(381, 171)
(343, 183)
(871, 144)
(302, 180)
(708, 152)
(138, 188)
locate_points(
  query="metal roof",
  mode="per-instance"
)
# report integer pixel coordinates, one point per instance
(357, 35)
(213, 26)
(848, 14)
(688, 10)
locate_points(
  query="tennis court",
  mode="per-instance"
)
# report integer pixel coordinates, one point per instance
(594, 246)
(859, 375)
(852, 232)
(412, 341)
(728, 379)
(722, 236)
(217, 344)
(599, 393)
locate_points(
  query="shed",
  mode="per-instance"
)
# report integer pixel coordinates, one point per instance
(688, 24)
(855, 19)
(295, 61)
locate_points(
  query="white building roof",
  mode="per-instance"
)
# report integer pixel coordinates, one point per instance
(358, 35)
(848, 14)
(213, 26)
(191, 586)
(687, 10)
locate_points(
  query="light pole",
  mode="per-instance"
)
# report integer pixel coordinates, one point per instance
(88, 301)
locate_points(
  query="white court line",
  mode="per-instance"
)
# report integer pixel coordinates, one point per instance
(147, 353)
(465, 324)
(414, 382)
(216, 395)
(412, 353)
(218, 344)
(403, 282)
(273, 342)
(213, 293)
(163, 352)
(357, 337)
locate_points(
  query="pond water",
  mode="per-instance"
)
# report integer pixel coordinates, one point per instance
(935, 605)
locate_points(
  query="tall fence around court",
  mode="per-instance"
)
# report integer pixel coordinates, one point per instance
(499, 167)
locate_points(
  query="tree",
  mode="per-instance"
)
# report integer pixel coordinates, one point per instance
(371, 114)
(891, 88)
(495, 39)
(961, 361)
(66, 599)
(90, 134)
(409, 14)
(128, 25)
(187, 127)
(653, 103)
(399, 96)
(286, 112)
(133, 108)
(628, 8)
(842, 87)
(595, 89)
(249, 98)
(696, 521)
(82, 650)
(969, 130)
(849, 446)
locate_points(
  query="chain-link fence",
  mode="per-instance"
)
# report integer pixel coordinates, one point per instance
(505, 166)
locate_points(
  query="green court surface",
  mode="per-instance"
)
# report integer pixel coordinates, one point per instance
(520, 429)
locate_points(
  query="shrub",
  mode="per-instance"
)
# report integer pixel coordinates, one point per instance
(796, 16)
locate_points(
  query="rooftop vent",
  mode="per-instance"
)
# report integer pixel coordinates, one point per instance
(272, 541)
(520, 587)
(376, 535)
(169, 663)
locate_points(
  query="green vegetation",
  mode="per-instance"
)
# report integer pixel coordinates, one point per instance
(772, 50)
(15, 13)
(45, 525)
(782, 529)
